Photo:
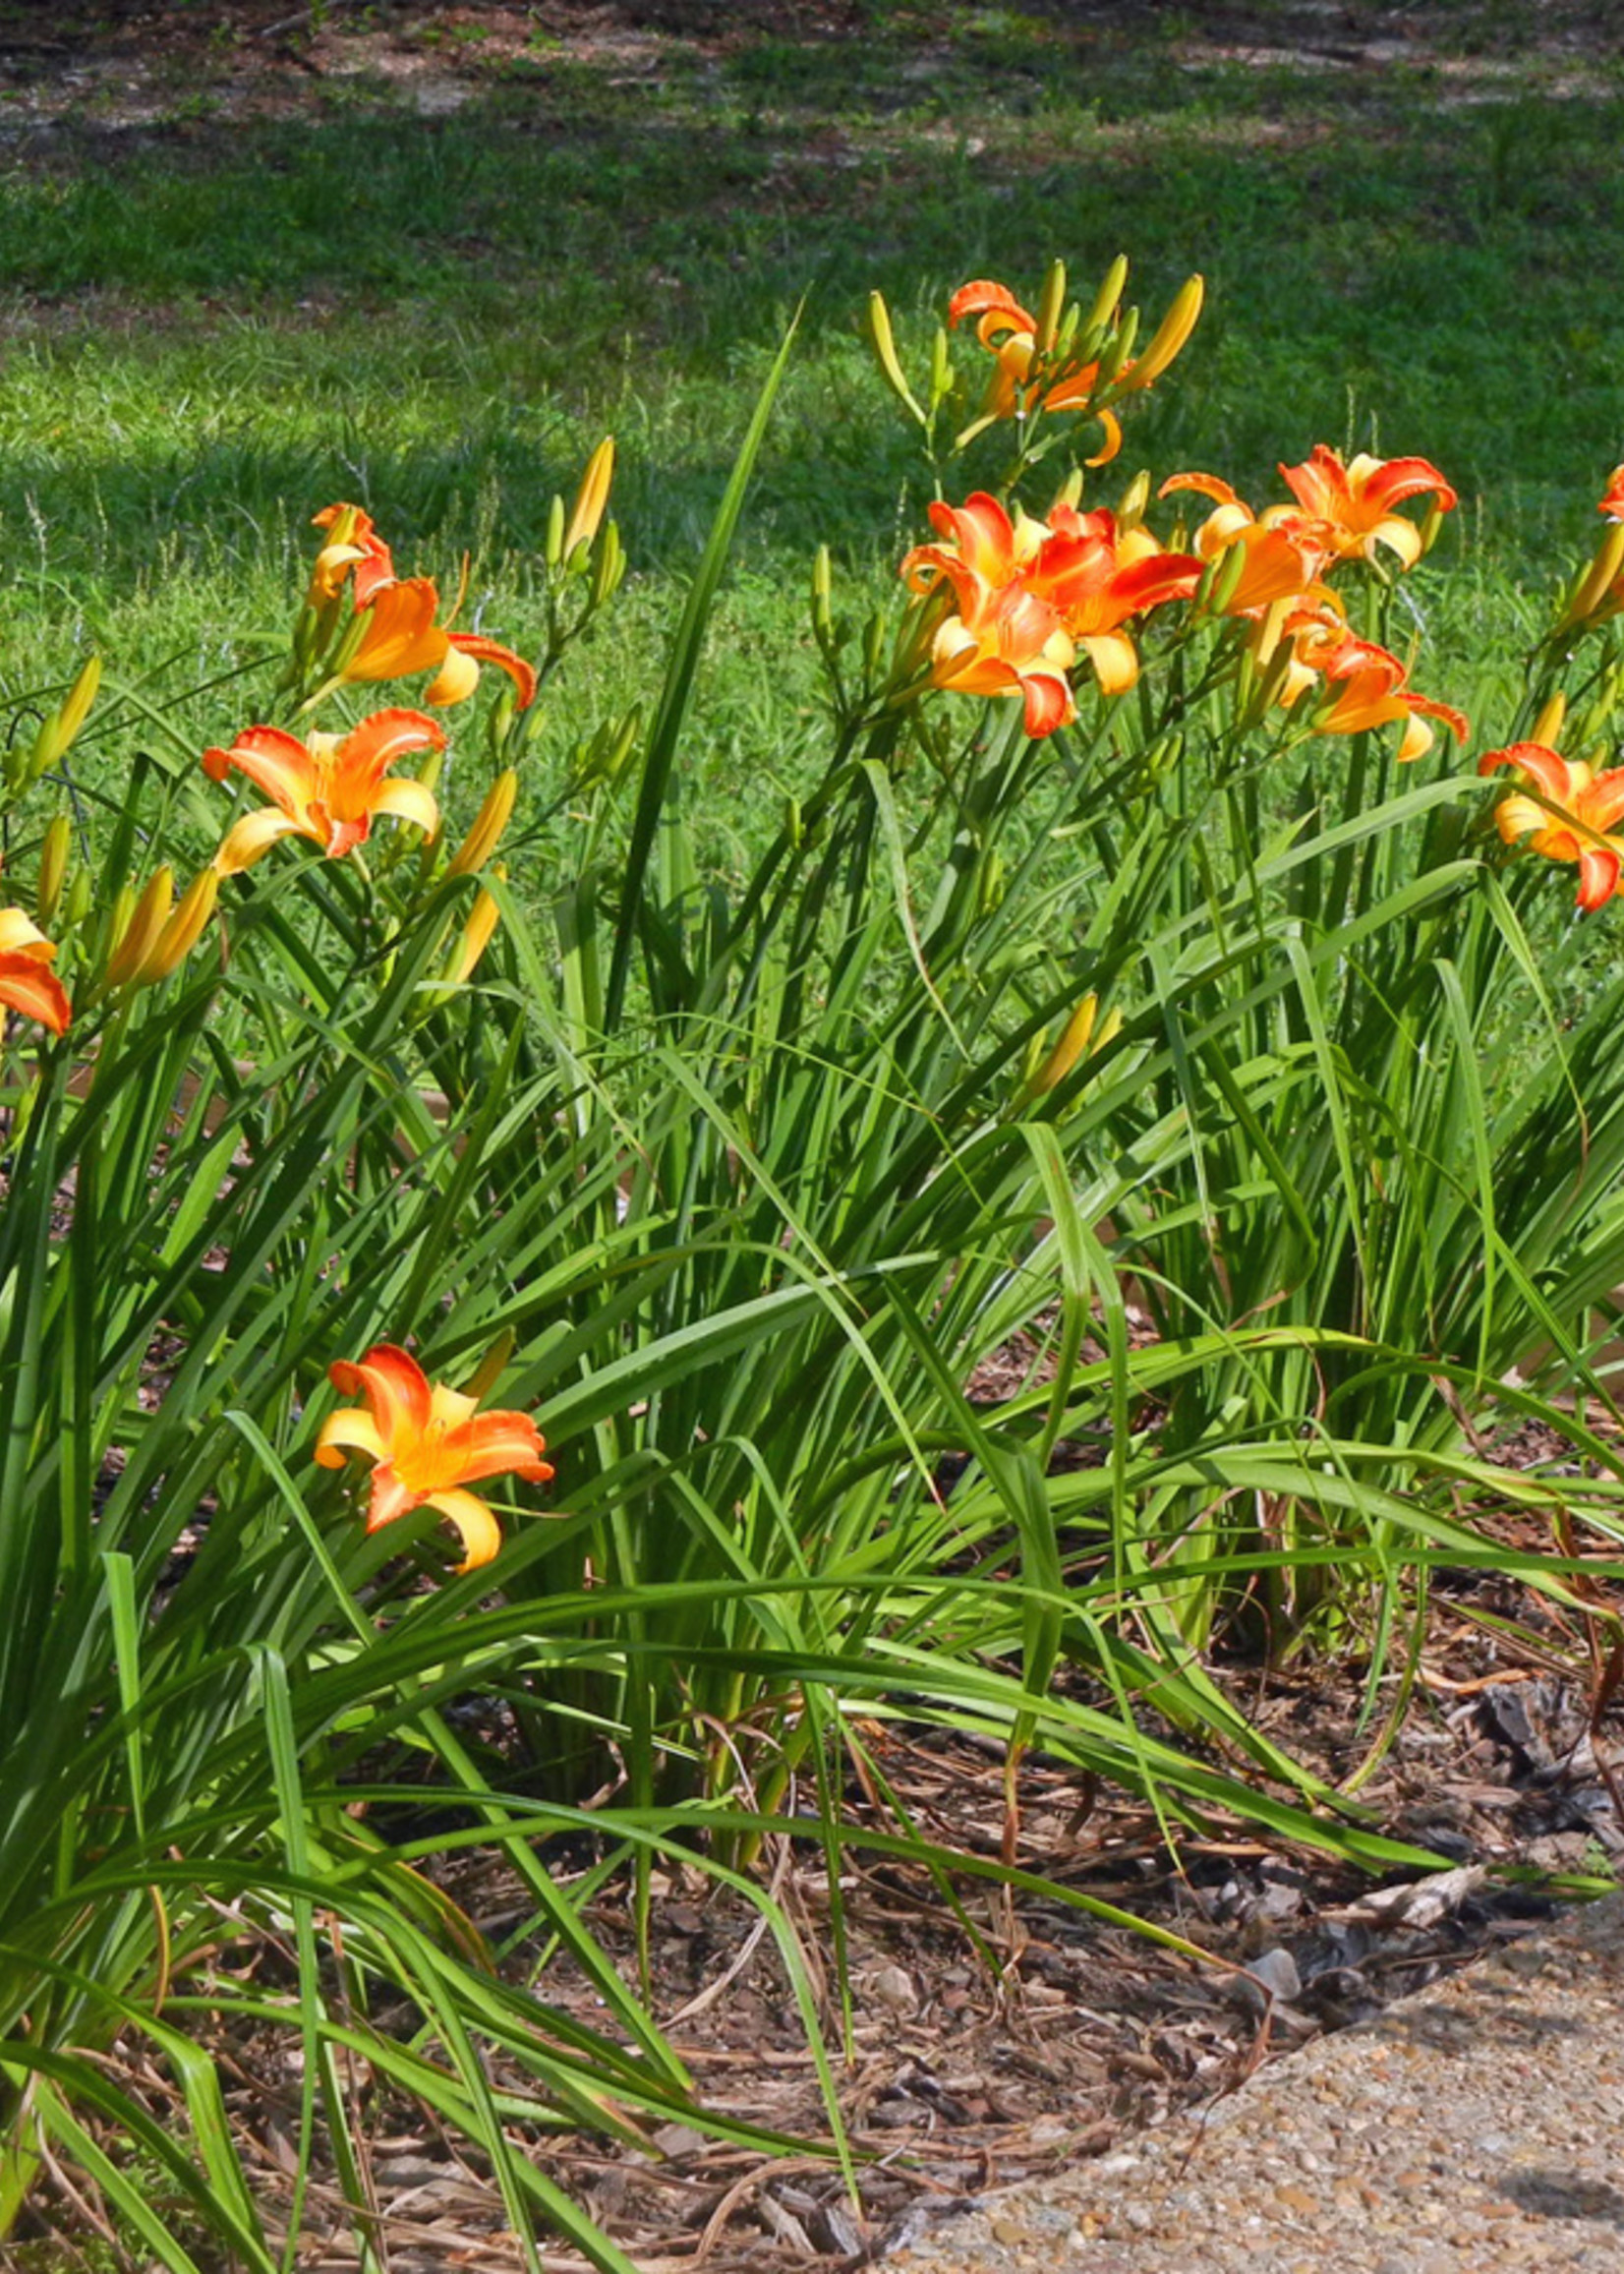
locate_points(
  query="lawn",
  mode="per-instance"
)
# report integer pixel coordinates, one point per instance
(1066, 1245)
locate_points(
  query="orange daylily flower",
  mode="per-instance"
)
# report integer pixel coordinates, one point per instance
(427, 1443)
(1075, 580)
(1096, 575)
(354, 554)
(26, 982)
(1366, 688)
(1611, 501)
(1283, 552)
(328, 788)
(1003, 639)
(401, 637)
(1354, 502)
(1587, 808)
(1008, 332)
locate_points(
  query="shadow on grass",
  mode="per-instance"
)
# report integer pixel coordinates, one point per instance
(235, 325)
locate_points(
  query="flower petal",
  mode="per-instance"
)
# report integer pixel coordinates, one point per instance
(480, 1533)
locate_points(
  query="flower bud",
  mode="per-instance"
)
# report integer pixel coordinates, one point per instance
(555, 546)
(56, 736)
(1118, 349)
(1548, 725)
(482, 920)
(53, 867)
(184, 929)
(1593, 587)
(1109, 292)
(1051, 307)
(491, 819)
(79, 890)
(139, 933)
(608, 568)
(1171, 334)
(591, 499)
(885, 348)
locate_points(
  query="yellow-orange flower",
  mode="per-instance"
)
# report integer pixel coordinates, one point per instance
(1096, 575)
(1611, 501)
(354, 554)
(1032, 592)
(426, 1444)
(1282, 553)
(1008, 332)
(328, 788)
(1354, 504)
(401, 637)
(1002, 639)
(1581, 810)
(26, 981)
(1365, 687)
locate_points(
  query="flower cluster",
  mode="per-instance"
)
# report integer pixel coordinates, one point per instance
(1029, 595)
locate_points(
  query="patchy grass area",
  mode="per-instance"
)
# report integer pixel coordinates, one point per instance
(423, 255)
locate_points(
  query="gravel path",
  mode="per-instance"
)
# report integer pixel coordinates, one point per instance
(1475, 2128)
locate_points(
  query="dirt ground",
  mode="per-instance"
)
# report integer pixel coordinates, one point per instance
(131, 63)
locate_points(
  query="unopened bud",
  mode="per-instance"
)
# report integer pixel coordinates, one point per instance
(609, 568)
(482, 920)
(1050, 306)
(1595, 585)
(184, 929)
(1170, 333)
(55, 737)
(491, 819)
(53, 867)
(885, 349)
(592, 498)
(139, 936)
(1119, 348)
(491, 1366)
(1109, 292)
(1074, 1041)
(555, 548)
(1547, 728)
(1135, 499)
(78, 907)
(941, 368)
(822, 592)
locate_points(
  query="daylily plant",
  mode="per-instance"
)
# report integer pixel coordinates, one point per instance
(427, 1443)
(329, 788)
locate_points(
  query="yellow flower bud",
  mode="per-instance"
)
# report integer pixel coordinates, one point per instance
(1109, 292)
(1050, 306)
(56, 736)
(180, 934)
(138, 937)
(491, 819)
(1594, 586)
(477, 934)
(1078, 1039)
(885, 347)
(1547, 726)
(1172, 334)
(53, 867)
(592, 498)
